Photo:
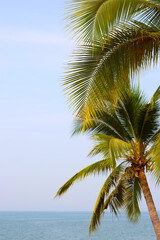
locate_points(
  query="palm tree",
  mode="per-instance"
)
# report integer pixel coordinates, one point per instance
(117, 38)
(128, 138)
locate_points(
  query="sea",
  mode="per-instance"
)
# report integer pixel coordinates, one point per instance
(71, 226)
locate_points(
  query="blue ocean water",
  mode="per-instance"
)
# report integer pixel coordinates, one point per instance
(71, 226)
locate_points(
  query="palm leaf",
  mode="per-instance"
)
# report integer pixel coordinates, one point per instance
(149, 118)
(156, 97)
(132, 197)
(91, 80)
(110, 182)
(106, 122)
(155, 157)
(109, 147)
(95, 168)
(129, 106)
(92, 20)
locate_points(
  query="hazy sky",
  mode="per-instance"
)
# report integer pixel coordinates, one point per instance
(37, 154)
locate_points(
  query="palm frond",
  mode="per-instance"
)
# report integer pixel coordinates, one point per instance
(150, 14)
(91, 80)
(154, 139)
(92, 20)
(110, 182)
(114, 200)
(129, 106)
(148, 118)
(95, 168)
(132, 198)
(106, 122)
(155, 158)
(109, 147)
(156, 97)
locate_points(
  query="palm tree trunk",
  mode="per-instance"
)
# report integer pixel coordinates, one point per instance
(150, 204)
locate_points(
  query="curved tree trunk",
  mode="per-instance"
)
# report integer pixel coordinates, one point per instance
(150, 204)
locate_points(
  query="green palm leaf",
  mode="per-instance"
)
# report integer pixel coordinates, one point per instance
(92, 20)
(91, 80)
(110, 147)
(110, 182)
(107, 123)
(155, 157)
(132, 197)
(95, 168)
(149, 118)
(114, 200)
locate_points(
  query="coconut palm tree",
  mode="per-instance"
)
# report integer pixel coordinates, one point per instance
(117, 38)
(128, 138)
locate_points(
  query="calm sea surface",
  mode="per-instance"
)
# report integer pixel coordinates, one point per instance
(70, 226)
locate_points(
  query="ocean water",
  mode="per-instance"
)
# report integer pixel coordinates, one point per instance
(71, 226)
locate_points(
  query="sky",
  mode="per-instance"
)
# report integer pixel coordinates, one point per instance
(37, 153)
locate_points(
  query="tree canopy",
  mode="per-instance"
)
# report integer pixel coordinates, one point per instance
(128, 139)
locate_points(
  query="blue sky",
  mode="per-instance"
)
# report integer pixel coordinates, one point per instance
(37, 154)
